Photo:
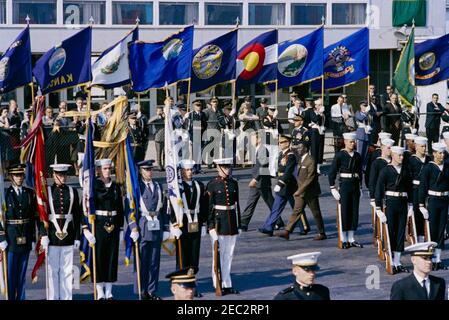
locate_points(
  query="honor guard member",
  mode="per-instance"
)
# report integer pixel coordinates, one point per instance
(434, 199)
(374, 152)
(316, 132)
(151, 230)
(224, 219)
(348, 163)
(136, 135)
(183, 283)
(284, 188)
(410, 147)
(64, 233)
(272, 125)
(416, 164)
(227, 122)
(305, 266)
(363, 120)
(109, 220)
(299, 132)
(197, 125)
(420, 285)
(394, 184)
(18, 231)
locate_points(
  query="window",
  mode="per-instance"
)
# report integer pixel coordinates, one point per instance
(2, 11)
(128, 12)
(39, 11)
(178, 13)
(223, 13)
(308, 14)
(348, 13)
(79, 12)
(266, 14)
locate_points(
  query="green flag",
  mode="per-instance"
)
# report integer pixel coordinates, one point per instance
(404, 75)
(405, 11)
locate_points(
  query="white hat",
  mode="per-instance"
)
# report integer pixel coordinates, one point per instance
(439, 147)
(421, 140)
(186, 164)
(422, 248)
(446, 135)
(387, 142)
(410, 136)
(397, 150)
(60, 167)
(103, 162)
(272, 107)
(223, 161)
(384, 135)
(349, 136)
(305, 259)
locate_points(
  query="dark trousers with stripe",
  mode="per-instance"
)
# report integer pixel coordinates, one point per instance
(350, 198)
(150, 254)
(17, 267)
(419, 219)
(437, 207)
(396, 212)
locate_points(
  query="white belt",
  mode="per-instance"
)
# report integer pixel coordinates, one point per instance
(218, 207)
(149, 213)
(105, 213)
(396, 194)
(416, 182)
(438, 193)
(361, 125)
(349, 175)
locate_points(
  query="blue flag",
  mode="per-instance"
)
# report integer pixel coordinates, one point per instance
(66, 65)
(346, 61)
(300, 60)
(15, 63)
(257, 60)
(214, 62)
(154, 65)
(432, 61)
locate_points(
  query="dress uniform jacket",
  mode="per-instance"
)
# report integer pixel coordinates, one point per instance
(286, 178)
(409, 288)
(373, 154)
(344, 163)
(260, 171)
(136, 136)
(308, 185)
(415, 165)
(298, 292)
(393, 125)
(390, 180)
(300, 134)
(376, 168)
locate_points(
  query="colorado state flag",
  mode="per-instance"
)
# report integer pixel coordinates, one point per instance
(66, 65)
(432, 61)
(257, 60)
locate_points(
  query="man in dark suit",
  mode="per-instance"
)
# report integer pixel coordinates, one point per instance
(392, 113)
(434, 111)
(197, 126)
(420, 285)
(158, 121)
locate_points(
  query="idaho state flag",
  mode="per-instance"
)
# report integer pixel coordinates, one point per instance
(432, 61)
(257, 60)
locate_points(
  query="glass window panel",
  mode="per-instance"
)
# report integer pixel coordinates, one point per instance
(308, 14)
(128, 12)
(223, 13)
(79, 12)
(348, 13)
(2, 11)
(266, 14)
(39, 11)
(178, 13)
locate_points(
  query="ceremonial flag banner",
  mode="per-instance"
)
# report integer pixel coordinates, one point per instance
(404, 75)
(256, 60)
(111, 69)
(214, 62)
(2, 216)
(407, 11)
(66, 65)
(300, 60)
(346, 61)
(154, 65)
(432, 61)
(15, 63)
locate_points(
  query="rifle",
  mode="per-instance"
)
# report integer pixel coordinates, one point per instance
(339, 226)
(217, 269)
(375, 229)
(387, 249)
(412, 236)
(379, 239)
(427, 230)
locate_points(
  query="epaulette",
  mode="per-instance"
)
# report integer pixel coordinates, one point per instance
(287, 290)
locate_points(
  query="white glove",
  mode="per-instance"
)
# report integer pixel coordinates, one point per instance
(372, 203)
(45, 241)
(335, 194)
(410, 210)
(382, 216)
(213, 234)
(89, 236)
(361, 194)
(3, 245)
(165, 236)
(277, 188)
(414, 131)
(240, 231)
(76, 244)
(176, 232)
(134, 235)
(425, 212)
(203, 231)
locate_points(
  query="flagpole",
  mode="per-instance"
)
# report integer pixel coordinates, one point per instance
(323, 22)
(276, 93)
(136, 246)
(5, 272)
(188, 95)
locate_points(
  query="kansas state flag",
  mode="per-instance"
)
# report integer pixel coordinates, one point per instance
(153, 65)
(111, 69)
(66, 65)
(15, 63)
(432, 61)
(300, 60)
(346, 61)
(256, 61)
(214, 62)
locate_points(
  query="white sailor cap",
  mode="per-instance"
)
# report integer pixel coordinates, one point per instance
(103, 162)
(397, 150)
(305, 259)
(384, 135)
(446, 135)
(186, 164)
(410, 136)
(387, 142)
(223, 161)
(439, 147)
(349, 136)
(60, 167)
(272, 107)
(421, 140)
(421, 248)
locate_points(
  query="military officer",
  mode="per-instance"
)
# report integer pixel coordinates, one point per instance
(434, 199)
(197, 123)
(64, 233)
(136, 135)
(304, 269)
(183, 283)
(348, 163)
(224, 219)
(394, 184)
(18, 232)
(151, 230)
(109, 220)
(363, 120)
(227, 122)
(420, 285)
(316, 132)
(271, 124)
(299, 132)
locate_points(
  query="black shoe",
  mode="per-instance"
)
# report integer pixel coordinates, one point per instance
(356, 244)
(102, 298)
(198, 294)
(265, 231)
(145, 296)
(395, 270)
(244, 228)
(303, 233)
(153, 297)
(345, 245)
(110, 298)
(230, 291)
